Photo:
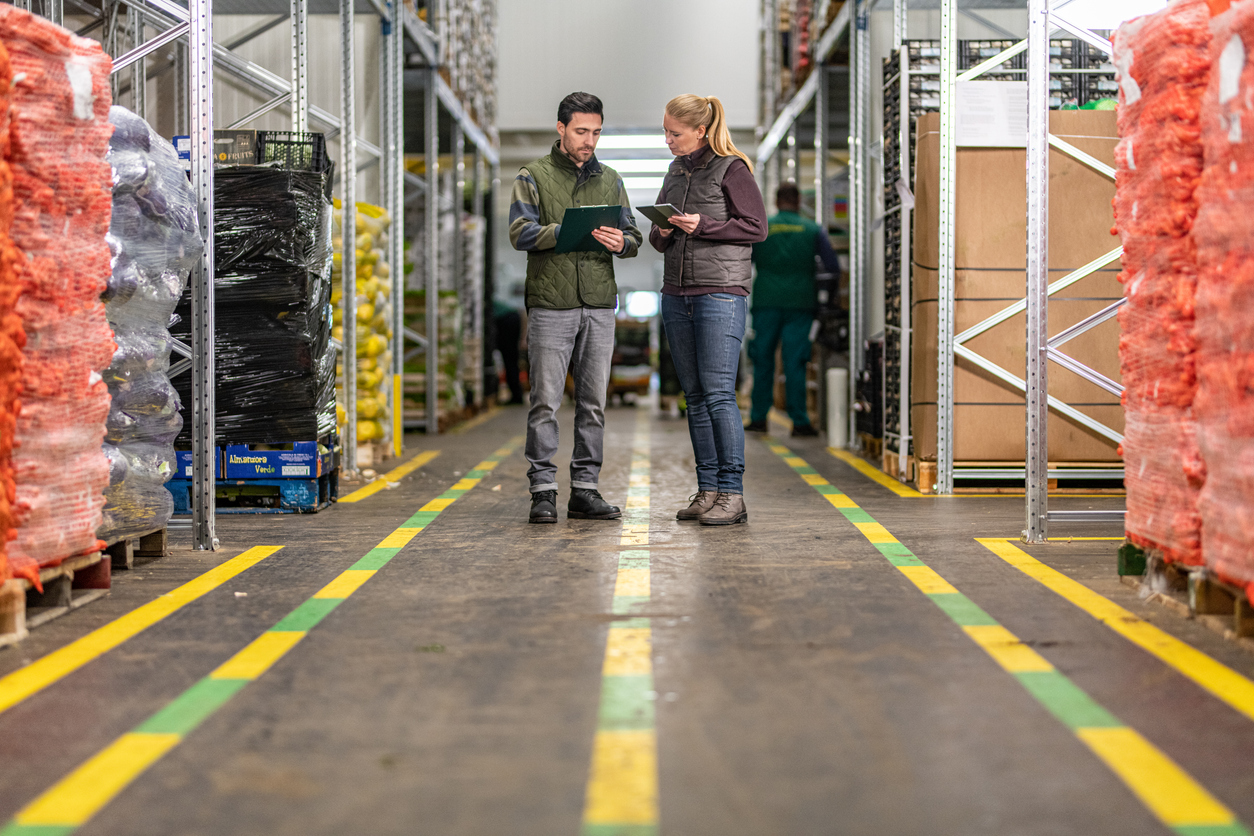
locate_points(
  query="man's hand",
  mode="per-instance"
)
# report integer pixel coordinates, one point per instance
(611, 237)
(665, 233)
(688, 223)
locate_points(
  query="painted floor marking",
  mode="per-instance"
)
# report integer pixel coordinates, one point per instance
(622, 790)
(1162, 786)
(43, 672)
(1213, 676)
(482, 418)
(76, 798)
(392, 477)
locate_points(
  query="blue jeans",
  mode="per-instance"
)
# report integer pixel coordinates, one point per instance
(770, 327)
(581, 339)
(705, 333)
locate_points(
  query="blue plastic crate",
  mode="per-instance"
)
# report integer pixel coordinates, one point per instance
(263, 496)
(299, 460)
(184, 467)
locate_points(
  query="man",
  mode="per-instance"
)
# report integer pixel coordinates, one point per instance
(571, 299)
(783, 304)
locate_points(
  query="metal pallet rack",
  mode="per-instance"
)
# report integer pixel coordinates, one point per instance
(199, 58)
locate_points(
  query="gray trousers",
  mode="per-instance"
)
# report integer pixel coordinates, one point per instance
(581, 339)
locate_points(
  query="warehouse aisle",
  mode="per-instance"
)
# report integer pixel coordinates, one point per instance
(422, 661)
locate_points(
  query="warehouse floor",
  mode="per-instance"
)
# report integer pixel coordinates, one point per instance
(809, 673)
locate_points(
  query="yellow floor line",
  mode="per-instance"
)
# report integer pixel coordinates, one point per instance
(876, 475)
(1220, 680)
(39, 674)
(393, 476)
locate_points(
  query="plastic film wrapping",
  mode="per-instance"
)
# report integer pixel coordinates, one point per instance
(1163, 65)
(12, 336)
(62, 188)
(1225, 301)
(154, 239)
(275, 362)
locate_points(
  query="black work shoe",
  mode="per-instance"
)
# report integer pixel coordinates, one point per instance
(543, 507)
(804, 431)
(756, 427)
(587, 504)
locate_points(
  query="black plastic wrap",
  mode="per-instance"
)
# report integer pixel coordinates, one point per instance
(154, 238)
(274, 359)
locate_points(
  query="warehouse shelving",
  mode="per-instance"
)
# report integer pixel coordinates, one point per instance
(855, 19)
(199, 59)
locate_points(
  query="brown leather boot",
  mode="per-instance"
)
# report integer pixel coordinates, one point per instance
(728, 509)
(702, 501)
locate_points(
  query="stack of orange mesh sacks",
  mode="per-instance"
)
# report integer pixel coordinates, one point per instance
(62, 189)
(12, 337)
(1224, 233)
(1163, 65)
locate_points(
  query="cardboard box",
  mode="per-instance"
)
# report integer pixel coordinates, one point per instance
(234, 147)
(299, 460)
(991, 260)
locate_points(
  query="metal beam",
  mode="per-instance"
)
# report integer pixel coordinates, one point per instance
(421, 35)
(348, 235)
(473, 132)
(275, 103)
(139, 52)
(945, 343)
(255, 31)
(298, 98)
(1036, 389)
(431, 129)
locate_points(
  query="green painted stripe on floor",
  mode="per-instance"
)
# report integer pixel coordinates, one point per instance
(1065, 700)
(451, 494)
(898, 555)
(638, 490)
(615, 830)
(625, 703)
(827, 490)
(1234, 829)
(964, 611)
(633, 562)
(622, 604)
(856, 515)
(15, 829)
(477, 474)
(375, 559)
(422, 519)
(634, 554)
(307, 615)
(190, 708)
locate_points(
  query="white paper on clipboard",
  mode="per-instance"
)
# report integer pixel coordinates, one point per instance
(992, 114)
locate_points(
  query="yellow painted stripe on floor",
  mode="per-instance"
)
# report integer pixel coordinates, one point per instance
(632, 583)
(628, 651)
(1219, 679)
(635, 534)
(257, 657)
(349, 581)
(438, 504)
(399, 538)
(486, 465)
(1166, 789)
(637, 502)
(393, 476)
(78, 796)
(778, 449)
(638, 481)
(39, 674)
(926, 579)
(1004, 646)
(876, 475)
(623, 787)
(465, 484)
(795, 461)
(874, 532)
(813, 479)
(840, 500)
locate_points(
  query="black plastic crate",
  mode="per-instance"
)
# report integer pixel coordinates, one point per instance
(294, 150)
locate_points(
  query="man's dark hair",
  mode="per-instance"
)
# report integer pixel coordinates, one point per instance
(578, 103)
(788, 195)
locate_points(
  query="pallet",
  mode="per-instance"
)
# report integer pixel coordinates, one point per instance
(872, 447)
(263, 496)
(22, 607)
(1195, 593)
(891, 461)
(122, 553)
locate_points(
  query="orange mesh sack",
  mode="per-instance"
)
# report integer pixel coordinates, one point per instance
(12, 336)
(1163, 65)
(62, 189)
(1225, 300)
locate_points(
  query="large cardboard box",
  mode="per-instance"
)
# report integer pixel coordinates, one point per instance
(991, 217)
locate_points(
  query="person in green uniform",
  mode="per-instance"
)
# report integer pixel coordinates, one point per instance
(783, 304)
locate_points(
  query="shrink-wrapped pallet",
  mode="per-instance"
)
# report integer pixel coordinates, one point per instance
(12, 337)
(1163, 64)
(1225, 300)
(59, 135)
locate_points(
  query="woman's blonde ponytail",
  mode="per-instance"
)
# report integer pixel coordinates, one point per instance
(707, 112)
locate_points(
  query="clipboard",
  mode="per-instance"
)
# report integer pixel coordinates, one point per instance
(660, 214)
(578, 223)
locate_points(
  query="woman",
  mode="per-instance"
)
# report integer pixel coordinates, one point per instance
(705, 292)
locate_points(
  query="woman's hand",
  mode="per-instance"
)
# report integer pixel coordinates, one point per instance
(665, 233)
(609, 236)
(688, 223)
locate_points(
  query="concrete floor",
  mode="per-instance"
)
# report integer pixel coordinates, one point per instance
(803, 684)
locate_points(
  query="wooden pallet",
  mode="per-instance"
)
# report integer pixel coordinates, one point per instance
(22, 607)
(122, 553)
(872, 447)
(1196, 593)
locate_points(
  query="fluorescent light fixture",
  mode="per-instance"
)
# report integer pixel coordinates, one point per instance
(1105, 14)
(639, 166)
(632, 141)
(643, 303)
(641, 184)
